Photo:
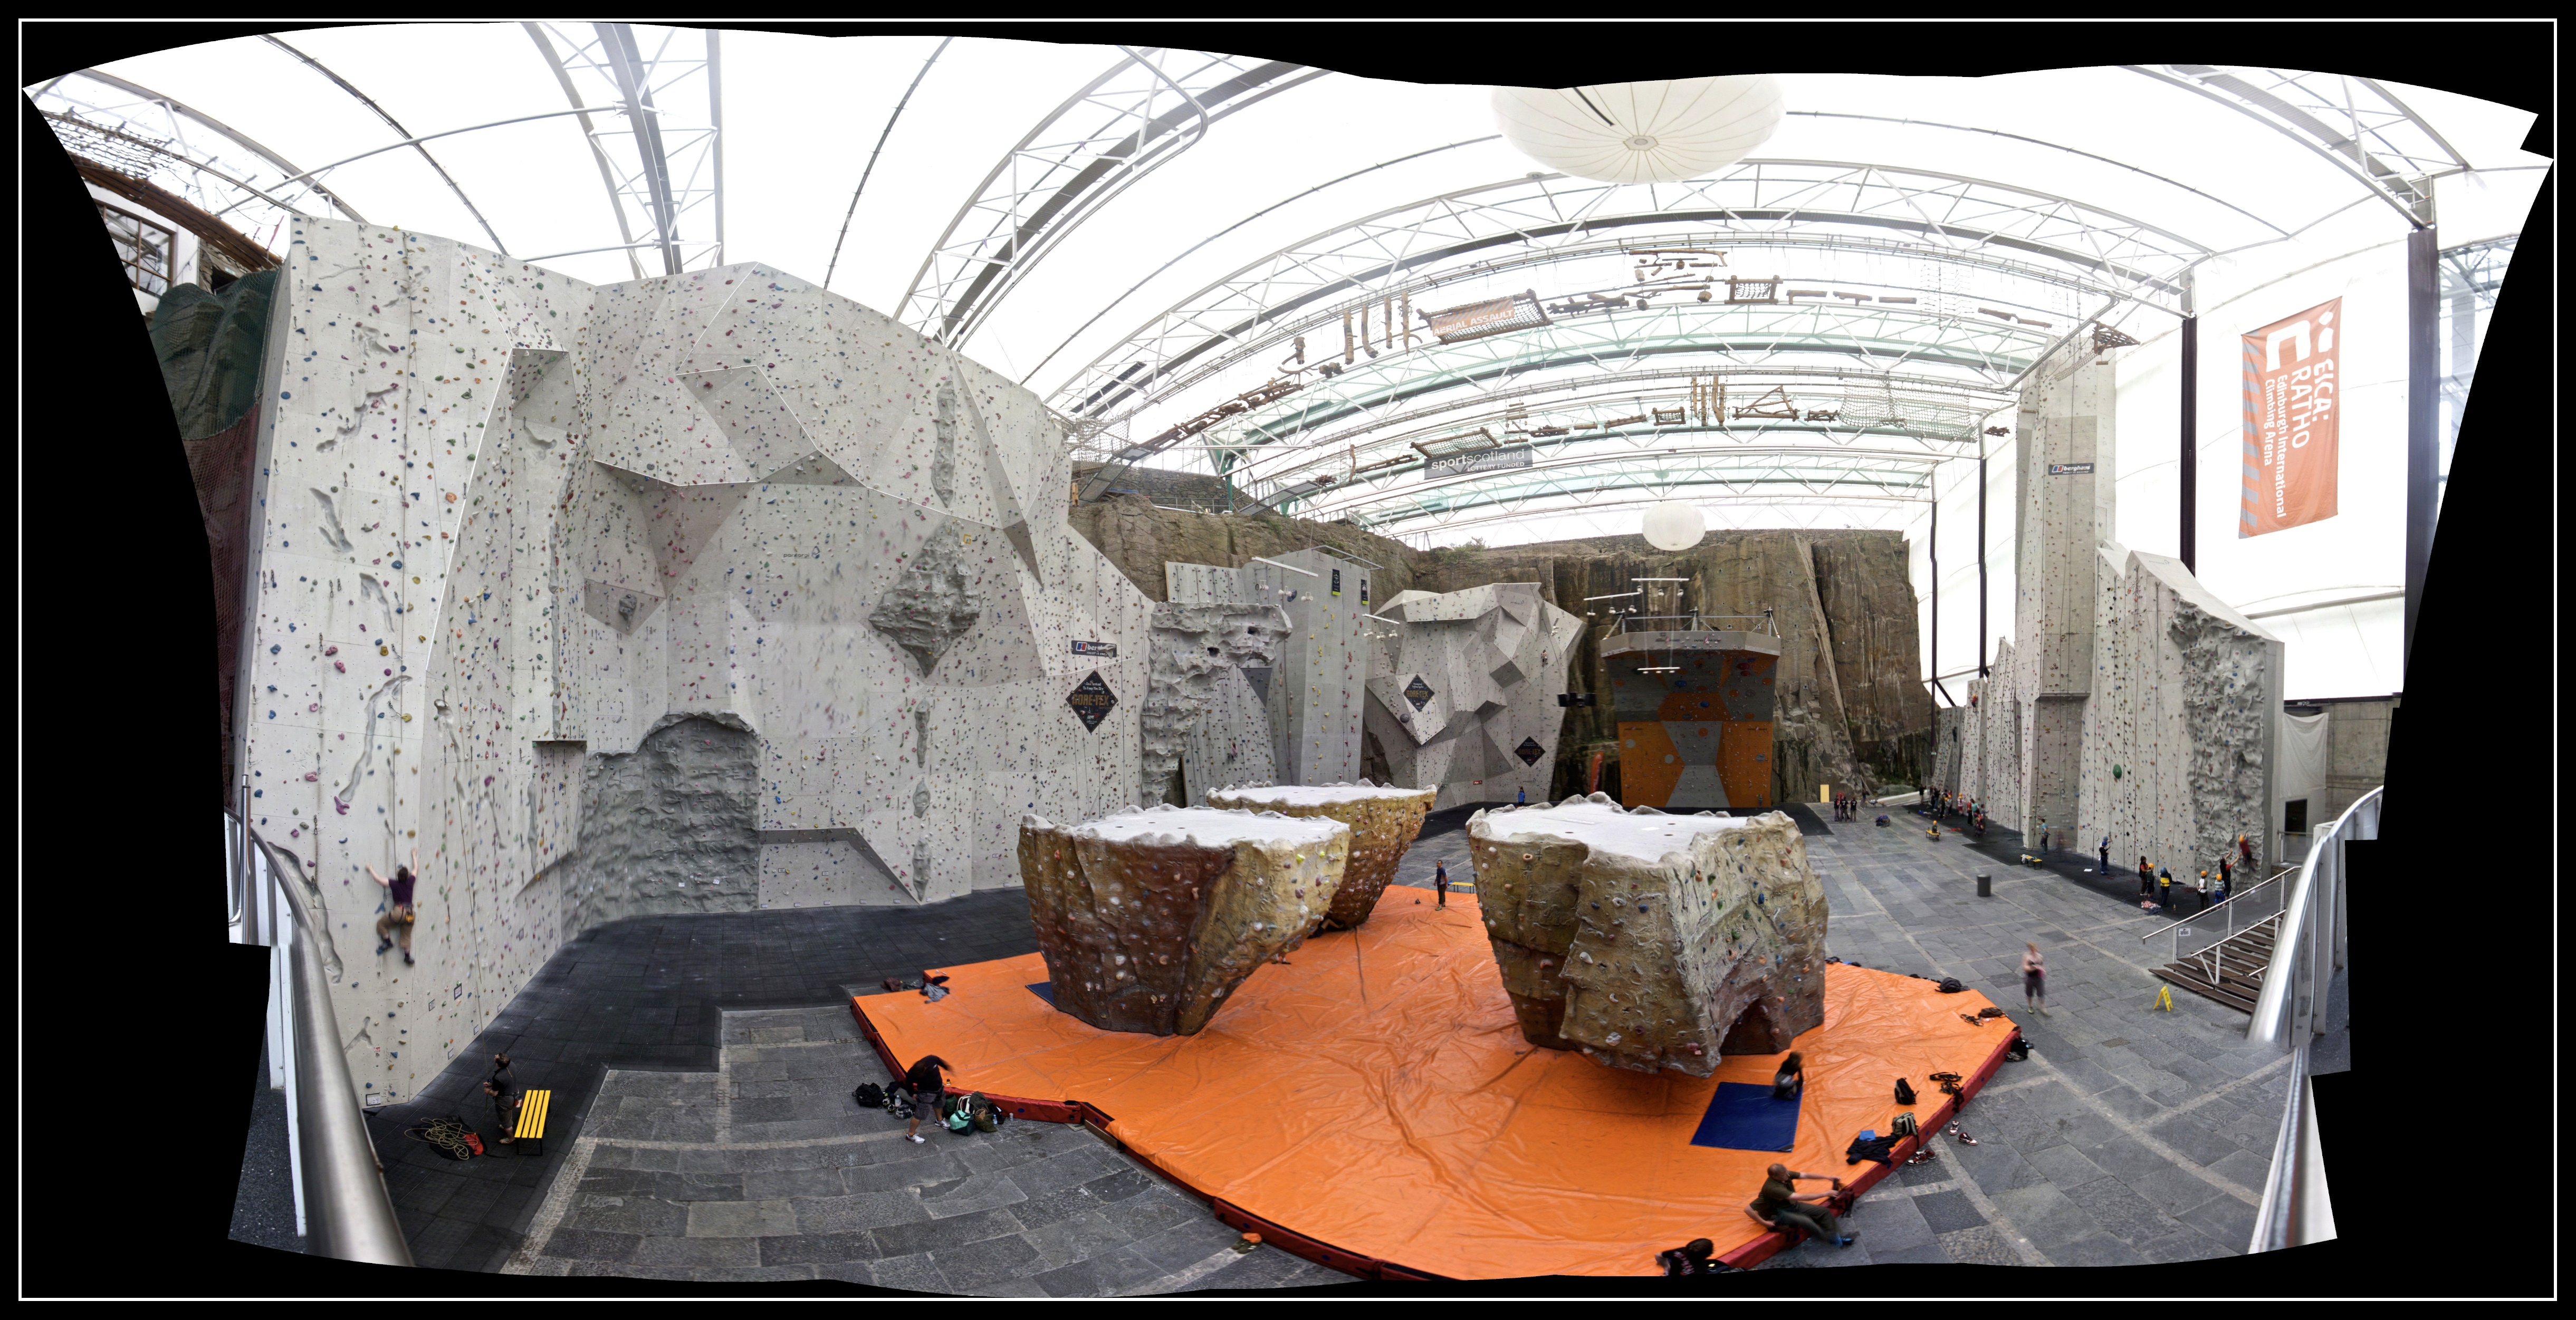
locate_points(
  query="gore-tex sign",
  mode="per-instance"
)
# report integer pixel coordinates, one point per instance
(1092, 701)
(2291, 420)
(1418, 692)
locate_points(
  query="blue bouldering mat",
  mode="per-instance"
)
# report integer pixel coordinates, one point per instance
(1745, 1117)
(1044, 990)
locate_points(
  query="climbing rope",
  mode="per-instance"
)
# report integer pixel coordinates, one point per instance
(448, 1135)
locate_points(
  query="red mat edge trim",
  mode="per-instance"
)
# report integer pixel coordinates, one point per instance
(1298, 1244)
(1773, 1243)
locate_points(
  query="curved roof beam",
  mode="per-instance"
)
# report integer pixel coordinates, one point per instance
(1602, 470)
(1316, 316)
(1767, 498)
(1736, 475)
(1890, 335)
(1640, 383)
(78, 126)
(1955, 209)
(855, 193)
(1159, 103)
(1644, 410)
(678, 160)
(2355, 124)
(390, 122)
(181, 109)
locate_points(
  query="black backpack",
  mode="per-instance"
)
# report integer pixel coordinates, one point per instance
(2019, 1050)
(1950, 985)
(869, 1095)
(1904, 1092)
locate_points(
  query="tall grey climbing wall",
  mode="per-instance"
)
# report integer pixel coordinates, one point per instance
(2180, 750)
(2065, 448)
(1463, 695)
(704, 592)
(1312, 698)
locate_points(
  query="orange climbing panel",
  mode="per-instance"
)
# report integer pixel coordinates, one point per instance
(1374, 1099)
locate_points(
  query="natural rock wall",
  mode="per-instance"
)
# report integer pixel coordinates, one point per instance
(1194, 650)
(1383, 824)
(1853, 708)
(1650, 941)
(1149, 919)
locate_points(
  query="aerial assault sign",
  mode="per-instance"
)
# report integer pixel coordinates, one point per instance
(2290, 421)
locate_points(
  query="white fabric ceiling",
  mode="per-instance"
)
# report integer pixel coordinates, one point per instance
(801, 115)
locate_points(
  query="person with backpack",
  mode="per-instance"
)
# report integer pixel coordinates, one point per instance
(1780, 1206)
(928, 1089)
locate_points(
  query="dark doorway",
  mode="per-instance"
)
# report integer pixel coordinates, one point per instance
(1752, 1034)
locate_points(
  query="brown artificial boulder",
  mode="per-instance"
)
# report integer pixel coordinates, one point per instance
(1149, 919)
(1383, 824)
(1648, 940)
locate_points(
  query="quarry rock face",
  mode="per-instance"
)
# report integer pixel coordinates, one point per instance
(1149, 919)
(1652, 941)
(1383, 823)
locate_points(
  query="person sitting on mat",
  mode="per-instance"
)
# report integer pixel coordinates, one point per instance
(1791, 1081)
(1780, 1206)
(927, 1087)
(1692, 1257)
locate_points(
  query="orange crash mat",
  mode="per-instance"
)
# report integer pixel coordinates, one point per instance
(1375, 1094)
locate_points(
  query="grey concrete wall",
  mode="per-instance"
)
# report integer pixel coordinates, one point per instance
(673, 826)
(2357, 751)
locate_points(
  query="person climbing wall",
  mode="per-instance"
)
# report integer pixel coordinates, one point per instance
(399, 915)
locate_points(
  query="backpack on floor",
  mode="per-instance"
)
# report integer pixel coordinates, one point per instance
(1904, 1092)
(869, 1095)
(957, 1119)
(1903, 1126)
(2019, 1050)
(1990, 1011)
(982, 1114)
(1950, 985)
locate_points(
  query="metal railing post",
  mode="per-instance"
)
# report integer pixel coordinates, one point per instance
(348, 1212)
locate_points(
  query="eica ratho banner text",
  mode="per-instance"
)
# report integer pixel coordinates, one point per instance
(2290, 421)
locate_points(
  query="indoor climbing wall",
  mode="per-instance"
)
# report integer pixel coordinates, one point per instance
(694, 594)
(1311, 699)
(1463, 696)
(1694, 713)
(2179, 745)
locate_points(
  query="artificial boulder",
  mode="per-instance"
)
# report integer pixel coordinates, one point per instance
(1149, 919)
(1383, 824)
(1652, 941)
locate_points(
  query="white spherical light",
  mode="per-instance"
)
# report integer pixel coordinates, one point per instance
(1642, 132)
(1674, 525)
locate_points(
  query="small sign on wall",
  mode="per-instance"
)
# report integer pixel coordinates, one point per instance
(1092, 701)
(1108, 649)
(2070, 469)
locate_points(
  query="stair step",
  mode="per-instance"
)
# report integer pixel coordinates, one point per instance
(2180, 975)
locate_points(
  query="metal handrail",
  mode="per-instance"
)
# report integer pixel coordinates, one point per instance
(2219, 906)
(348, 1212)
(1770, 624)
(2307, 945)
(2296, 1207)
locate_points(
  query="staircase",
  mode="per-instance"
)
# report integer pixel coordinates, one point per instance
(2230, 971)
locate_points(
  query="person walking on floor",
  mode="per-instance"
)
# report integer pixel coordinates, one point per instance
(2034, 980)
(928, 1088)
(1440, 881)
(2201, 904)
(2106, 856)
(399, 915)
(1520, 797)
(2164, 888)
(1780, 1205)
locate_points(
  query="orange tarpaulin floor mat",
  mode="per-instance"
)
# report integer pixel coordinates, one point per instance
(1376, 1095)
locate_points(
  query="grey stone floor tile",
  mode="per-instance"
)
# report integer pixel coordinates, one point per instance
(1926, 1253)
(974, 1192)
(589, 1244)
(912, 1273)
(2174, 1191)
(817, 1248)
(751, 1273)
(667, 1273)
(823, 1180)
(741, 1219)
(1977, 1246)
(1948, 1212)
(1077, 1237)
(696, 1252)
(858, 1212)
(1105, 1275)
(2224, 1220)
(2243, 1168)
(905, 1239)
(1891, 1221)
(983, 1267)
(2119, 1209)
(641, 1215)
(2043, 1214)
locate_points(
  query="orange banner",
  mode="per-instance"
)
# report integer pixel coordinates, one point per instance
(2290, 425)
